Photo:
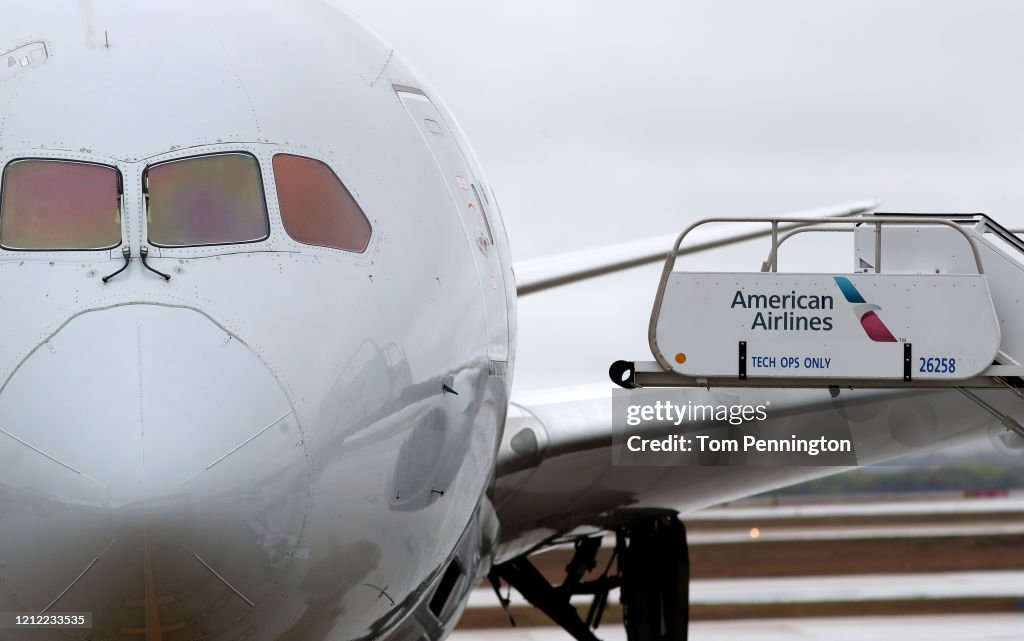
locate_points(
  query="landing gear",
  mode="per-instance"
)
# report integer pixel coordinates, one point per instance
(651, 567)
(654, 564)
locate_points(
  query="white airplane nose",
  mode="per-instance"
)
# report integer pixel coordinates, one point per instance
(152, 472)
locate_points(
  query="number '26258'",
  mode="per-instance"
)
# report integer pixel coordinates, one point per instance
(937, 365)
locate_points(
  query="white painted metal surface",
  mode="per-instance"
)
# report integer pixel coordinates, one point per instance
(827, 326)
(265, 435)
(933, 250)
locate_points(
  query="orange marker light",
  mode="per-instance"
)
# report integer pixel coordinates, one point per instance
(680, 358)
(754, 533)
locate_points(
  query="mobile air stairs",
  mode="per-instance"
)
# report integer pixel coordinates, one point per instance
(932, 301)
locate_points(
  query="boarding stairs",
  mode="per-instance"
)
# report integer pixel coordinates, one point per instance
(931, 301)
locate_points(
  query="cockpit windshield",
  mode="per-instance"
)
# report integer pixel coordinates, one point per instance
(316, 208)
(206, 200)
(59, 205)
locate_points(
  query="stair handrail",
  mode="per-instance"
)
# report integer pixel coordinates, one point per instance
(793, 223)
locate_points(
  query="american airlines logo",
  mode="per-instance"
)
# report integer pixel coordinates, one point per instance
(865, 312)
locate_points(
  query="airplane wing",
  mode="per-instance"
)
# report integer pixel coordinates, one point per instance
(553, 271)
(557, 482)
(556, 478)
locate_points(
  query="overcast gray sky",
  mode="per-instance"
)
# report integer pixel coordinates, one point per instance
(601, 121)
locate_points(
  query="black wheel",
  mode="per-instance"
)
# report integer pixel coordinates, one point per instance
(655, 566)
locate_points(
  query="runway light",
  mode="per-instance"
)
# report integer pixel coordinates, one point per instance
(680, 358)
(754, 533)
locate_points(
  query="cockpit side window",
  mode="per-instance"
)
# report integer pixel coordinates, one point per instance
(48, 205)
(316, 207)
(215, 199)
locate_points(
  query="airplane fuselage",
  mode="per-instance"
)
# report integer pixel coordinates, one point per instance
(288, 438)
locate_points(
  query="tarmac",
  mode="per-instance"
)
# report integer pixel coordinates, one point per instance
(994, 627)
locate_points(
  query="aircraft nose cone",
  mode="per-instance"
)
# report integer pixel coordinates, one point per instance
(152, 472)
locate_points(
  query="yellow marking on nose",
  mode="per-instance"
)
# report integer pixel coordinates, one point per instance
(154, 630)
